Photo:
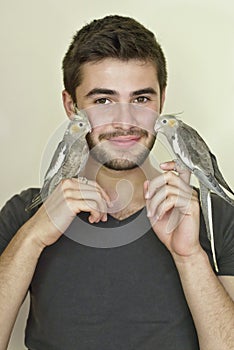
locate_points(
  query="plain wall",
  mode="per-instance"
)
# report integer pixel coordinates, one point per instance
(196, 35)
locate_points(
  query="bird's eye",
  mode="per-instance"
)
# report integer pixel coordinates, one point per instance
(164, 121)
(81, 124)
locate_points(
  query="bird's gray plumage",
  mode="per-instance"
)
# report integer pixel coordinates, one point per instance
(69, 157)
(194, 154)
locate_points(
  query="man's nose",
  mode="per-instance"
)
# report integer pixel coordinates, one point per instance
(123, 115)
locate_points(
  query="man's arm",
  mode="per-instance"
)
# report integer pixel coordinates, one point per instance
(173, 209)
(228, 283)
(19, 259)
(211, 306)
(17, 265)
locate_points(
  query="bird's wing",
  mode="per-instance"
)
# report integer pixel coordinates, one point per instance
(218, 174)
(212, 184)
(53, 169)
(57, 160)
(206, 207)
(194, 148)
(84, 157)
(75, 159)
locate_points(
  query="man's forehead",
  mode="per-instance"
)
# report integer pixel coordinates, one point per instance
(118, 75)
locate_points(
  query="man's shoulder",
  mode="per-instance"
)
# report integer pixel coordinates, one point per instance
(21, 199)
(222, 209)
(13, 214)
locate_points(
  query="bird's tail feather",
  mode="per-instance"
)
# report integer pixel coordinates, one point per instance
(209, 181)
(35, 202)
(219, 191)
(218, 175)
(206, 207)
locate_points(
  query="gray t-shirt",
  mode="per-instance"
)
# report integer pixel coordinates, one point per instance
(126, 297)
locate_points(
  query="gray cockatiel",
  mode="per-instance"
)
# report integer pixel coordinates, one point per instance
(69, 158)
(194, 154)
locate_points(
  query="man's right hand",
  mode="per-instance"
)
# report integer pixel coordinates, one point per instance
(68, 199)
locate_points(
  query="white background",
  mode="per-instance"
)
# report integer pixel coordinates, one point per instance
(197, 38)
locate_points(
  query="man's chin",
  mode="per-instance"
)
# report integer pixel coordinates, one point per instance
(121, 164)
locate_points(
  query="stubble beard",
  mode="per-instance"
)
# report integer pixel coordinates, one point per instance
(119, 159)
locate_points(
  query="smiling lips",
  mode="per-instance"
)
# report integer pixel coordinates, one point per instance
(124, 141)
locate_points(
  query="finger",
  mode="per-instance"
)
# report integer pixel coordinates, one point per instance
(92, 202)
(95, 219)
(173, 201)
(168, 178)
(92, 195)
(90, 184)
(89, 195)
(166, 193)
(146, 189)
(88, 205)
(87, 185)
(184, 173)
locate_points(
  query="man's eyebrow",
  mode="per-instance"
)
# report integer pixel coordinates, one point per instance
(110, 92)
(148, 90)
(101, 91)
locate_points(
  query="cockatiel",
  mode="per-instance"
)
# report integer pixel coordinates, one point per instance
(195, 155)
(69, 158)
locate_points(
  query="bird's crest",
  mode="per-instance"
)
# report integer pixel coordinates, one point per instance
(175, 115)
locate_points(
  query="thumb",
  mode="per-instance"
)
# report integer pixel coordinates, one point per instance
(184, 173)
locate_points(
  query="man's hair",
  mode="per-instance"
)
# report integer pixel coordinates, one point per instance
(111, 37)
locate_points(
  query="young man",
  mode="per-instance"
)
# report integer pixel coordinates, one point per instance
(158, 291)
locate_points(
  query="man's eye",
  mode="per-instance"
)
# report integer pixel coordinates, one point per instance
(102, 101)
(141, 99)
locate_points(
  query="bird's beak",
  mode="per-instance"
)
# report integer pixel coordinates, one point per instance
(157, 127)
(89, 126)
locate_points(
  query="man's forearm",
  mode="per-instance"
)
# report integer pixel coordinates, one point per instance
(17, 265)
(211, 307)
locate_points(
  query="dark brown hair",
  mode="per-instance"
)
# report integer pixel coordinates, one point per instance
(111, 37)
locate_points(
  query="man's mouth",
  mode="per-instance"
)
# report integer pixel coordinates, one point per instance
(124, 138)
(124, 141)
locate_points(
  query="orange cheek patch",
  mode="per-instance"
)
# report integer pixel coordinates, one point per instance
(172, 122)
(75, 129)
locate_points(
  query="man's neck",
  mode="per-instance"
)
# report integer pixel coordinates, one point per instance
(124, 187)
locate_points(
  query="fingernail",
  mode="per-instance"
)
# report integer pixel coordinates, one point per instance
(164, 165)
(147, 195)
(149, 214)
(110, 204)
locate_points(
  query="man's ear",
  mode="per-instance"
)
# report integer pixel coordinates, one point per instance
(68, 104)
(163, 96)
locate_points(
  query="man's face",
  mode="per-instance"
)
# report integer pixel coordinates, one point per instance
(122, 100)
